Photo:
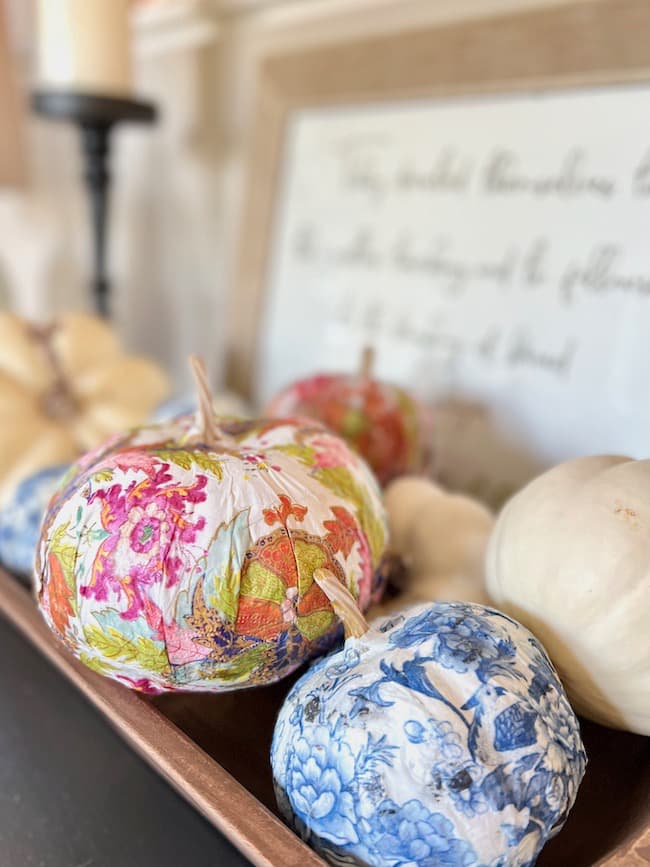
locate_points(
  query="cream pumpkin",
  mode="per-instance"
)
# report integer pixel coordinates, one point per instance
(570, 558)
(440, 538)
(63, 389)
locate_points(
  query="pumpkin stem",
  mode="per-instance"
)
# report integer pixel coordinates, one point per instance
(343, 602)
(208, 428)
(58, 402)
(367, 362)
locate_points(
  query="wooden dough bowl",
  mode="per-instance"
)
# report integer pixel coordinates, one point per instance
(214, 749)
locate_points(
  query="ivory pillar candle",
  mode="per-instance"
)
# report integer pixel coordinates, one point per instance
(83, 45)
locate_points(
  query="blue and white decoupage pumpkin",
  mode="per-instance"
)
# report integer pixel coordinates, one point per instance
(21, 516)
(440, 737)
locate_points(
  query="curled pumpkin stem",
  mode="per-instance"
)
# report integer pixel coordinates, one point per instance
(208, 428)
(343, 602)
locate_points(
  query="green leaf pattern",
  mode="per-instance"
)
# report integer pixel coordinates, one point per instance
(113, 645)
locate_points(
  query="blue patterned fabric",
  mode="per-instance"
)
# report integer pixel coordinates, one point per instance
(442, 737)
(173, 407)
(20, 519)
(226, 405)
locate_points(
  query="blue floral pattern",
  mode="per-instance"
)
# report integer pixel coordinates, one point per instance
(21, 517)
(322, 770)
(442, 737)
(411, 834)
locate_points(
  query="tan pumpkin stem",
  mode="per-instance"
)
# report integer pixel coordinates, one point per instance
(343, 602)
(209, 430)
(58, 401)
(367, 362)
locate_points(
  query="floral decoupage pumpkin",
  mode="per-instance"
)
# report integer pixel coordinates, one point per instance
(63, 389)
(21, 517)
(383, 422)
(181, 556)
(570, 557)
(442, 736)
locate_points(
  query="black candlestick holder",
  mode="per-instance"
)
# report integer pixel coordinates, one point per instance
(95, 116)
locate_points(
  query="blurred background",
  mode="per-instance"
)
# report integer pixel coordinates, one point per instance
(537, 354)
(197, 61)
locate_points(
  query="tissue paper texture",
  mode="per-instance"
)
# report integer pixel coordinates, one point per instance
(442, 737)
(171, 566)
(382, 422)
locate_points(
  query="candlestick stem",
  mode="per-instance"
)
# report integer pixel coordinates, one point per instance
(95, 139)
(95, 115)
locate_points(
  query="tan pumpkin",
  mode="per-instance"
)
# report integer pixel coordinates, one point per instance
(64, 388)
(570, 559)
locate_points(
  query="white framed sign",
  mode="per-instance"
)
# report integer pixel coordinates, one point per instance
(494, 251)
(488, 236)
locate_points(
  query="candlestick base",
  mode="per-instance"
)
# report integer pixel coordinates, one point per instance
(95, 116)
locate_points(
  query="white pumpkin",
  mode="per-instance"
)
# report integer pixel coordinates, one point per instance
(64, 389)
(570, 558)
(441, 538)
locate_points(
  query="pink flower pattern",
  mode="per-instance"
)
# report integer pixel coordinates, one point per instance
(143, 521)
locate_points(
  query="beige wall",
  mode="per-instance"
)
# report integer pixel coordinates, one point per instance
(178, 186)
